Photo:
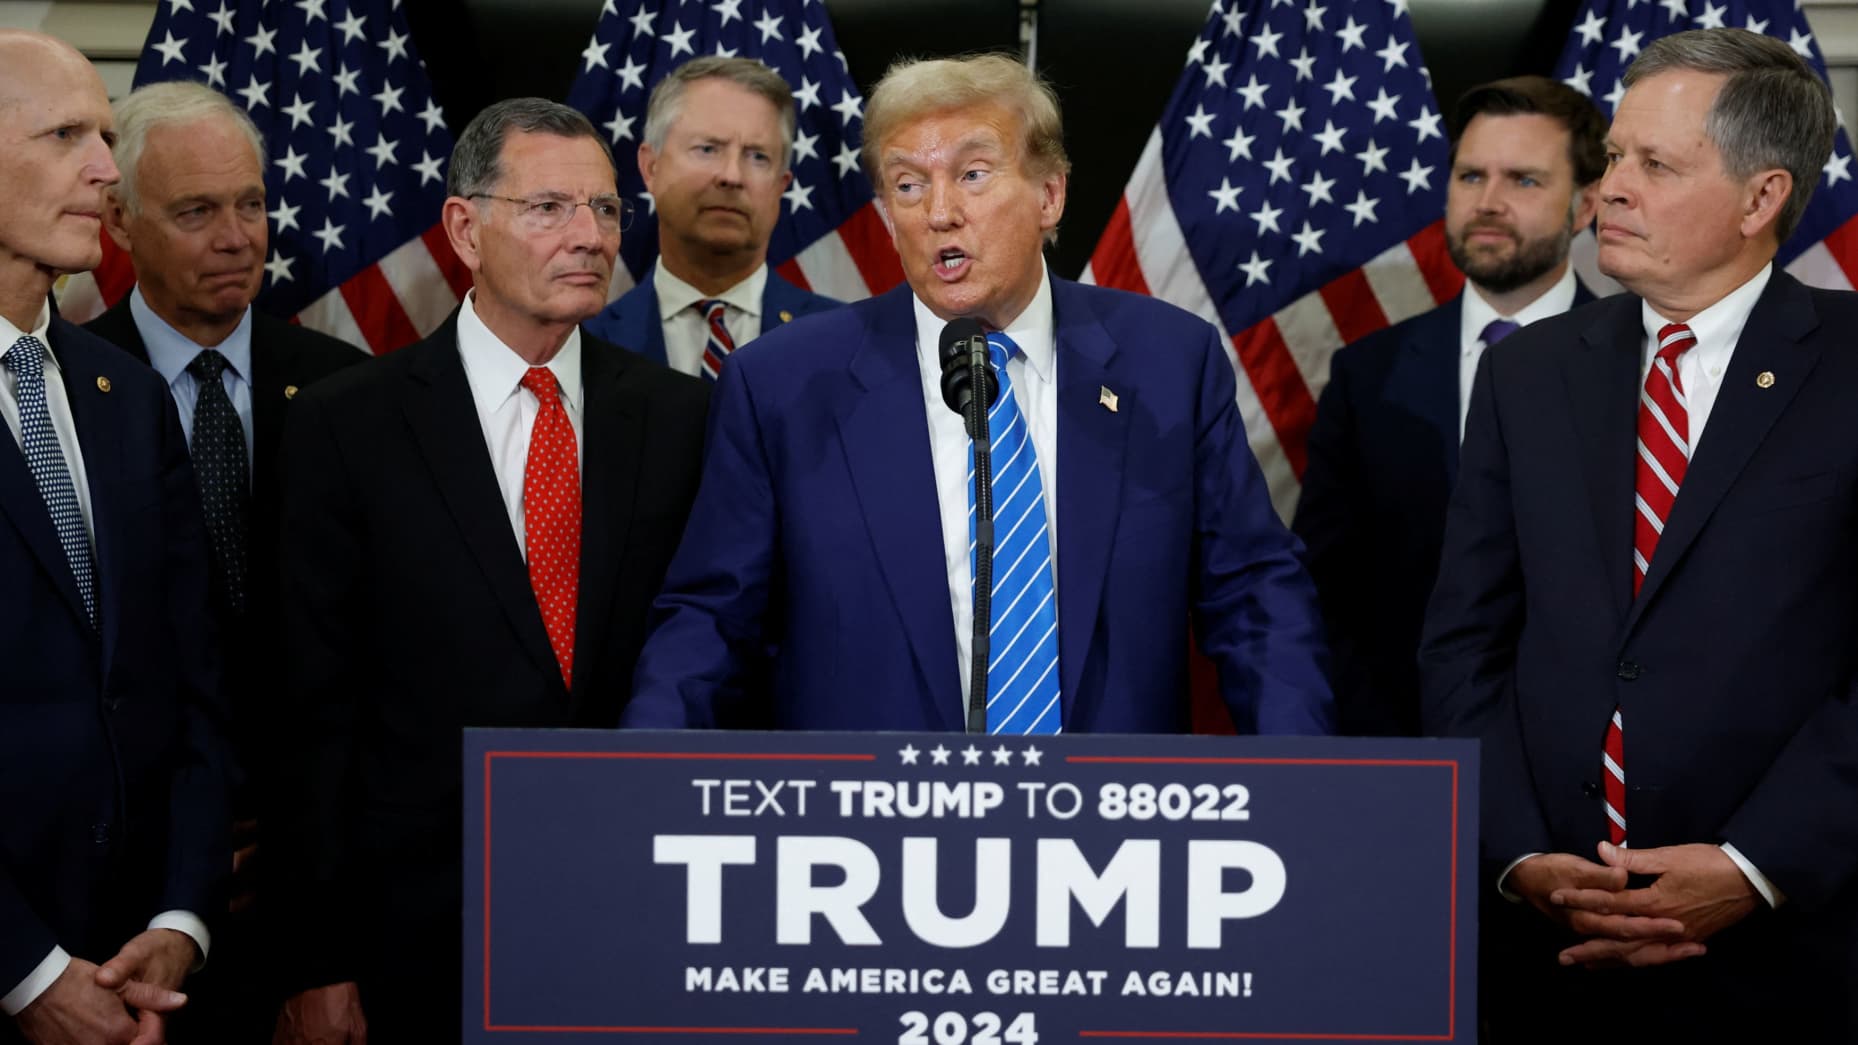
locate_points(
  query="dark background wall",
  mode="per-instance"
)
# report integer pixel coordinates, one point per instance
(1114, 62)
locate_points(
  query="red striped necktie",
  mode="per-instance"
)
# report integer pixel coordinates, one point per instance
(718, 344)
(1663, 457)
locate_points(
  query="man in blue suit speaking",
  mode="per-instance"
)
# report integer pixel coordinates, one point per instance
(718, 147)
(824, 581)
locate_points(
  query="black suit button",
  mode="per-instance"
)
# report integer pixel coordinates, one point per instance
(1590, 789)
(100, 834)
(1629, 670)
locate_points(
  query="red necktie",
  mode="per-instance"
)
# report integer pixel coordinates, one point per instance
(552, 518)
(1664, 455)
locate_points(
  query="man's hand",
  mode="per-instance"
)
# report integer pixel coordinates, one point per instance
(76, 1010)
(150, 966)
(322, 1016)
(1697, 888)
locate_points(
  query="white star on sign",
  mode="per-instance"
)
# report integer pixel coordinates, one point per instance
(939, 755)
(1226, 196)
(1256, 271)
(909, 753)
(1002, 757)
(1030, 756)
(970, 756)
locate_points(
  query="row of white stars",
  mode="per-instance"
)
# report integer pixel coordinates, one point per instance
(970, 755)
(1351, 35)
(1592, 29)
(679, 38)
(312, 10)
(265, 40)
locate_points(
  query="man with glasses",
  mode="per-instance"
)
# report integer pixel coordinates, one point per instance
(716, 157)
(474, 530)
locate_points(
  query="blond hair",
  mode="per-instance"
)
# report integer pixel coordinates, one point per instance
(913, 88)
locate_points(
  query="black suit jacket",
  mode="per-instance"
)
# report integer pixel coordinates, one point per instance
(112, 760)
(1734, 666)
(409, 615)
(285, 359)
(1383, 454)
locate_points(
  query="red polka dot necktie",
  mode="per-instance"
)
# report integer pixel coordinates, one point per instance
(1663, 457)
(552, 518)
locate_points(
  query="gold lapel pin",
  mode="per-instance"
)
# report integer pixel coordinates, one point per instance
(290, 391)
(786, 316)
(1106, 399)
(103, 383)
(1765, 379)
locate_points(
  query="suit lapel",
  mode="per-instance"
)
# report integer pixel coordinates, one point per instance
(780, 302)
(1602, 378)
(1091, 444)
(1425, 376)
(614, 436)
(884, 429)
(439, 410)
(99, 436)
(272, 363)
(1773, 342)
(640, 327)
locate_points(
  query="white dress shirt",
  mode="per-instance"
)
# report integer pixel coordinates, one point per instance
(1700, 368)
(26, 991)
(170, 351)
(507, 411)
(1474, 314)
(1034, 373)
(686, 332)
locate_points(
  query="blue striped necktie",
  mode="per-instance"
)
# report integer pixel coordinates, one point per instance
(1022, 674)
(46, 461)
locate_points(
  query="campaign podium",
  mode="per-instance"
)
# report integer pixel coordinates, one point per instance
(938, 889)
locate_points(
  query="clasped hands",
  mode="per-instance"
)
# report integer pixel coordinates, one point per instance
(1696, 892)
(126, 999)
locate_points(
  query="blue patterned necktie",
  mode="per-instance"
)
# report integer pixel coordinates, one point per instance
(221, 469)
(1022, 674)
(46, 461)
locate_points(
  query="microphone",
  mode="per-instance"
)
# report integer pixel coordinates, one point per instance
(965, 364)
(969, 387)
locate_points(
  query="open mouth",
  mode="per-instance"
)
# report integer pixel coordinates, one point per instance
(951, 262)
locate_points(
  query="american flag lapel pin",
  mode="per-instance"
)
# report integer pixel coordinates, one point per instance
(1106, 398)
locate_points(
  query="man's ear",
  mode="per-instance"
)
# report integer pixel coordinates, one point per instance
(1766, 193)
(116, 221)
(463, 225)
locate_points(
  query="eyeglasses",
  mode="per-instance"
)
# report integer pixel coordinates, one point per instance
(553, 213)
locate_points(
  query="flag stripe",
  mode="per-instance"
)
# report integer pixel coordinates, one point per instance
(1435, 261)
(1353, 305)
(418, 283)
(1114, 262)
(331, 315)
(457, 274)
(869, 242)
(791, 272)
(371, 299)
(1273, 374)
(831, 269)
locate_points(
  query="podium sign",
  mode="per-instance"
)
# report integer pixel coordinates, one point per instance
(930, 889)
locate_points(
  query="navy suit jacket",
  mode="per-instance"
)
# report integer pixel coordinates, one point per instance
(1734, 666)
(111, 755)
(816, 533)
(633, 320)
(1383, 455)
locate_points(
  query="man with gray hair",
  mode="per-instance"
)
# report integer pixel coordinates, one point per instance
(474, 529)
(832, 527)
(190, 213)
(1649, 589)
(716, 156)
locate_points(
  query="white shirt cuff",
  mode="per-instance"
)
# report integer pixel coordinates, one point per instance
(1505, 876)
(36, 982)
(190, 925)
(1767, 889)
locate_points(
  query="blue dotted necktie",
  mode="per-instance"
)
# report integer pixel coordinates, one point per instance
(46, 461)
(1022, 674)
(218, 450)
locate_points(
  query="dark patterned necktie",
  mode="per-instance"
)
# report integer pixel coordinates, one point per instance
(221, 468)
(46, 461)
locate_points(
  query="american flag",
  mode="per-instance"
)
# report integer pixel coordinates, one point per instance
(356, 173)
(830, 238)
(1609, 34)
(1292, 195)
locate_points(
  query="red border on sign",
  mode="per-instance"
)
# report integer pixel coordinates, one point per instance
(1451, 972)
(491, 756)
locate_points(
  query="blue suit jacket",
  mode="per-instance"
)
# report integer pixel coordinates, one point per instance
(633, 321)
(1383, 455)
(111, 754)
(816, 533)
(1734, 667)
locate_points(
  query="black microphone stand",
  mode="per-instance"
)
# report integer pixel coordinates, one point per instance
(983, 534)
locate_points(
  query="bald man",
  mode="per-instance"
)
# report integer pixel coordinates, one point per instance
(113, 841)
